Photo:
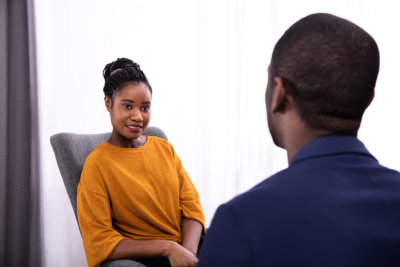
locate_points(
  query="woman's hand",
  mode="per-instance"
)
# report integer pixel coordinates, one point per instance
(179, 256)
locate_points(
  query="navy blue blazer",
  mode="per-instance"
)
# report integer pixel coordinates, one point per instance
(335, 205)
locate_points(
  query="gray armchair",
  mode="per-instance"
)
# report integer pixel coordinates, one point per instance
(71, 150)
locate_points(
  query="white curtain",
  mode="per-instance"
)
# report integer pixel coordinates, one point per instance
(207, 62)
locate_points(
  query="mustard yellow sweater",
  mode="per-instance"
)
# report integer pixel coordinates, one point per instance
(133, 193)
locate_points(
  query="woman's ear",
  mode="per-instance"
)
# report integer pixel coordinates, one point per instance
(108, 103)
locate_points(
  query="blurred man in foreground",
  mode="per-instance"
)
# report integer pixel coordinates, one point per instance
(335, 205)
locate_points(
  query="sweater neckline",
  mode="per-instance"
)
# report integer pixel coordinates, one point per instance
(114, 147)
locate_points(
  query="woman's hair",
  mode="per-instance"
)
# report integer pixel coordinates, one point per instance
(330, 65)
(121, 72)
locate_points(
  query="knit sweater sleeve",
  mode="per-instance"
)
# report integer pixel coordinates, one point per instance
(189, 200)
(93, 205)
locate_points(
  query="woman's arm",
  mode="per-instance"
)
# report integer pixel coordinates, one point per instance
(128, 248)
(191, 232)
(176, 254)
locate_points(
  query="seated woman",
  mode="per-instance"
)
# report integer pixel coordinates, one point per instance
(135, 200)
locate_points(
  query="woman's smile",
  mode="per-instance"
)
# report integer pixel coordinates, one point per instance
(135, 128)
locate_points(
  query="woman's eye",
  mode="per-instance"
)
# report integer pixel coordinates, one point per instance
(127, 106)
(145, 108)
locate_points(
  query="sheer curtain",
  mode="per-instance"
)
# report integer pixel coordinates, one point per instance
(207, 62)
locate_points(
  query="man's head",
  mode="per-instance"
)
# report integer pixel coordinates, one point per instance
(329, 66)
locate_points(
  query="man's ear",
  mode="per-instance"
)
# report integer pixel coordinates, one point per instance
(279, 96)
(108, 103)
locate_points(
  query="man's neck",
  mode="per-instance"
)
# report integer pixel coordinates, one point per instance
(301, 137)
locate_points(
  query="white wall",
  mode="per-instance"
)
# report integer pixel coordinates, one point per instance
(207, 63)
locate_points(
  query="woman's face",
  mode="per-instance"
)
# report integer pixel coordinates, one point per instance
(130, 113)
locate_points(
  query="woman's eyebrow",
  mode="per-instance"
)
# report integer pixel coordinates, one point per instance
(127, 100)
(131, 101)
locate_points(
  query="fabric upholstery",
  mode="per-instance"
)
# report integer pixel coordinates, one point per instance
(122, 263)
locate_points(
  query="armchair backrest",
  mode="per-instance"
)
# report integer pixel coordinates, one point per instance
(71, 150)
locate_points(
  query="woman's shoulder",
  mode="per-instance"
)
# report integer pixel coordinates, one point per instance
(160, 144)
(98, 153)
(92, 167)
(158, 141)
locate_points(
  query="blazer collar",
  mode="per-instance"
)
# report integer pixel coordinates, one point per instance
(329, 145)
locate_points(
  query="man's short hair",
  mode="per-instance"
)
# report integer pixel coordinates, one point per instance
(330, 66)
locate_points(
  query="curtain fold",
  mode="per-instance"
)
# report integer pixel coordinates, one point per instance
(20, 227)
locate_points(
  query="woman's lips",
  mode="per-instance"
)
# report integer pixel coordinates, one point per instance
(134, 128)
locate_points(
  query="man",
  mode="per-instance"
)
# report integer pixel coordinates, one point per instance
(334, 205)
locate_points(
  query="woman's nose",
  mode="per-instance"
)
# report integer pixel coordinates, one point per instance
(136, 115)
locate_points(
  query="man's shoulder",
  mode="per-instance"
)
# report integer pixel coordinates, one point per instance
(270, 188)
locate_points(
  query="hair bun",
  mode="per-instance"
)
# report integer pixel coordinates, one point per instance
(120, 63)
(120, 72)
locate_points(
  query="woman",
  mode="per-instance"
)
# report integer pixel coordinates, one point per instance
(135, 200)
